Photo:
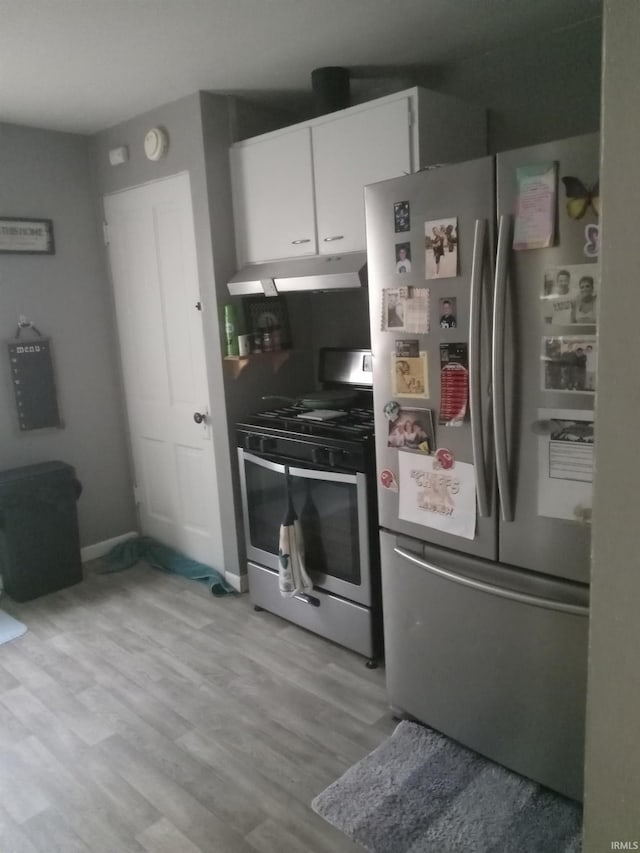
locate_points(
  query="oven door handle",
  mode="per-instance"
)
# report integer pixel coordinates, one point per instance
(333, 476)
(265, 463)
(305, 598)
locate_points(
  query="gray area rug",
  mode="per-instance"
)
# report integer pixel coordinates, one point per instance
(420, 792)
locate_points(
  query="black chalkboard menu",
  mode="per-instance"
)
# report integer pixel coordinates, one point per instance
(34, 384)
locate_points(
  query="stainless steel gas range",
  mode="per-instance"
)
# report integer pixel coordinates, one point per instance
(326, 462)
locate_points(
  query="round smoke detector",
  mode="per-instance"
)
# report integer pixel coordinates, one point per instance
(156, 143)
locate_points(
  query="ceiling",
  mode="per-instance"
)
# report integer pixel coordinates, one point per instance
(85, 65)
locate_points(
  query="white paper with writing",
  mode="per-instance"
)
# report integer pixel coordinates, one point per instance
(535, 207)
(435, 497)
(565, 464)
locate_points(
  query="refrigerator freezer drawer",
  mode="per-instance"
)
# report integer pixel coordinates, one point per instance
(496, 670)
(337, 619)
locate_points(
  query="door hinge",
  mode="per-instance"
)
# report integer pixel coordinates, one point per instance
(105, 233)
(137, 495)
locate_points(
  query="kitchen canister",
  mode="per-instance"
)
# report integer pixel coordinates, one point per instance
(231, 330)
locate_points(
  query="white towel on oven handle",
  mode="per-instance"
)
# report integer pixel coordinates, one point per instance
(292, 575)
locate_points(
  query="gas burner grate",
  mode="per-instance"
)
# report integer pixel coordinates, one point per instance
(355, 423)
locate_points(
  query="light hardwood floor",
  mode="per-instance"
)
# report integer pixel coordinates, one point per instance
(139, 713)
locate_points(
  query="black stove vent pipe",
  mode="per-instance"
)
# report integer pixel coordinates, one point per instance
(330, 87)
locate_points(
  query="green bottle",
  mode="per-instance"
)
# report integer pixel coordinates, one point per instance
(231, 329)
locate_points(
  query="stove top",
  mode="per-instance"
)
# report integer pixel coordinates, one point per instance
(355, 423)
(297, 434)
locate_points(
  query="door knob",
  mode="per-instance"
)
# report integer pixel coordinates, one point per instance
(199, 417)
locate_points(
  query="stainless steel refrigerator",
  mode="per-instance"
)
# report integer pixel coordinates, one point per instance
(486, 637)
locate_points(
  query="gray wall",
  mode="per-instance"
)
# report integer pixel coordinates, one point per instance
(612, 790)
(46, 174)
(538, 88)
(201, 128)
(339, 320)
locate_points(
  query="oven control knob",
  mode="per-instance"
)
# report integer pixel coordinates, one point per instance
(266, 445)
(319, 456)
(337, 457)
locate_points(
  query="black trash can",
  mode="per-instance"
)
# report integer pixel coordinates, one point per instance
(39, 541)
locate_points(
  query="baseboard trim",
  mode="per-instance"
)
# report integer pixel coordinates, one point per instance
(99, 549)
(239, 582)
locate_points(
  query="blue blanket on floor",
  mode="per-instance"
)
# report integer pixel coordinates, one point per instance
(145, 548)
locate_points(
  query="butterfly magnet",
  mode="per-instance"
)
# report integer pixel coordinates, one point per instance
(581, 197)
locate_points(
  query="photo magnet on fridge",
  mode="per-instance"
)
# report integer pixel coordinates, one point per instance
(405, 309)
(441, 248)
(407, 349)
(403, 257)
(570, 295)
(448, 312)
(569, 364)
(401, 216)
(412, 430)
(410, 376)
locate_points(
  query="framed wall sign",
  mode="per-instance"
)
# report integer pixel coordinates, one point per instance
(26, 236)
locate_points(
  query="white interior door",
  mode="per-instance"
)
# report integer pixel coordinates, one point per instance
(154, 271)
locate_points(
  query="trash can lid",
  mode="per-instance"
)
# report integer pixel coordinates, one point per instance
(27, 471)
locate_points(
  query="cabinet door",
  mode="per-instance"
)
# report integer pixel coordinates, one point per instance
(348, 153)
(273, 197)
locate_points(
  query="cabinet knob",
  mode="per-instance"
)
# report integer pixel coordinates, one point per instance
(331, 239)
(297, 242)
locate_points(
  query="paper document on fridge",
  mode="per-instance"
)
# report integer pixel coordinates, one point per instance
(434, 497)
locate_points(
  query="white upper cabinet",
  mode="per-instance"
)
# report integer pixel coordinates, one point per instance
(272, 183)
(300, 191)
(349, 153)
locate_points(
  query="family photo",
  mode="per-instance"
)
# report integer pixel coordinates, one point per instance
(570, 364)
(570, 295)
(441, 248)
(412, 430)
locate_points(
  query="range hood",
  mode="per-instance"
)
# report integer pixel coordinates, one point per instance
(321, 272)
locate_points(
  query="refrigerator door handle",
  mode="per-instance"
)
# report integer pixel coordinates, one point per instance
(475, 380)
(500, 592)
(498, 370)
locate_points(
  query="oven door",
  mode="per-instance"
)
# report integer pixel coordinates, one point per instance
(332, 509)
